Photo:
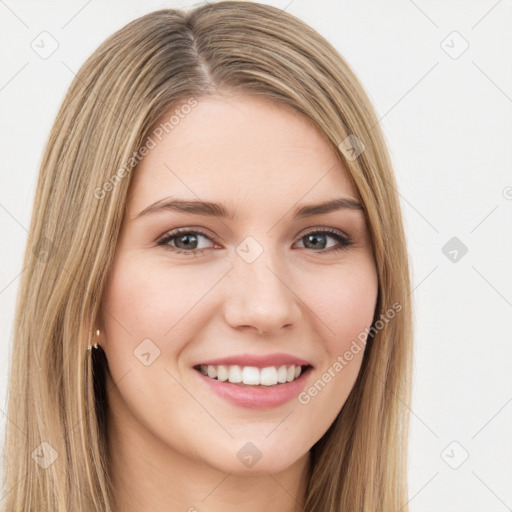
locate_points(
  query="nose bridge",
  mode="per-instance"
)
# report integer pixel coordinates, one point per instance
(262, 297)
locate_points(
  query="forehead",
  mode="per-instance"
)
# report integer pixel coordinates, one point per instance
(239, 149)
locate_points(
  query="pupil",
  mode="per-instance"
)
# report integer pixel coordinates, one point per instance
(187, 239)
(314, 239)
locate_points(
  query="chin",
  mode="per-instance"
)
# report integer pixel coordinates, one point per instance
(246, 458)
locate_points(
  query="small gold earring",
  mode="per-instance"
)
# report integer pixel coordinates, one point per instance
(96, 344)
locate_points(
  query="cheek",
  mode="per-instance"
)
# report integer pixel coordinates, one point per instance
(151, 311)
(343, 301)
(147, 313)
(145, 299)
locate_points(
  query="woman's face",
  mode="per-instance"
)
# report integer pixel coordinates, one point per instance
(256, 289)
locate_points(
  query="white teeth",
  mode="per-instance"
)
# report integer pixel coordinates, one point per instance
(251, 375)
(268, 376)
(281, 374)
(235, 374)
(222, 373)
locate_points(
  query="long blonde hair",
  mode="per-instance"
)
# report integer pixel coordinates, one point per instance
(56, 447)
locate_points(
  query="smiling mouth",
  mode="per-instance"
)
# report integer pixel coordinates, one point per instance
(252, 376)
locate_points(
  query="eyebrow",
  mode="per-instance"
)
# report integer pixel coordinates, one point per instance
(218, 210)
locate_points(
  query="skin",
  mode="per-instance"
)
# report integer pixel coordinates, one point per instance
(173, 441)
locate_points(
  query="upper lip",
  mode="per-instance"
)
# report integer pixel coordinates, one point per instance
(259, 361)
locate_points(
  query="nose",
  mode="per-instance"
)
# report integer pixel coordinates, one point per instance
(261, 297)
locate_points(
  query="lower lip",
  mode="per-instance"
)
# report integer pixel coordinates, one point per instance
(257, 397)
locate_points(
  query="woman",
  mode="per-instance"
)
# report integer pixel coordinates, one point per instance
(215, 306)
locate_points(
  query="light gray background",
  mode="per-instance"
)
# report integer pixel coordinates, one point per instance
(447, 119)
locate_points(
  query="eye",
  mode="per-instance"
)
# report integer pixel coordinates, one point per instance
(318, 239)
(187, 241)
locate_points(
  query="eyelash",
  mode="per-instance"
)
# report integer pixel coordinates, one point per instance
(342, 239)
